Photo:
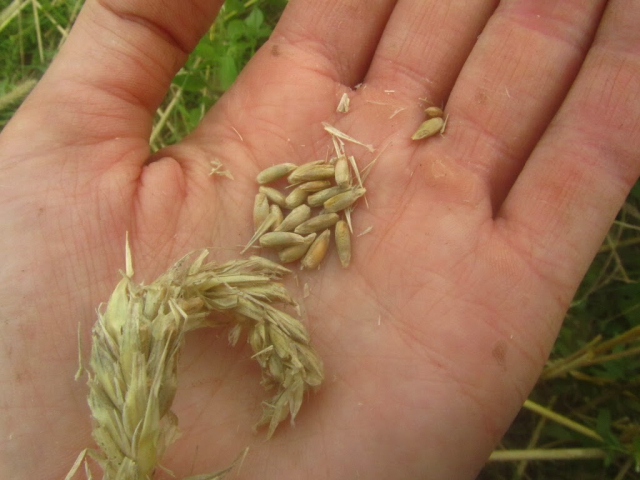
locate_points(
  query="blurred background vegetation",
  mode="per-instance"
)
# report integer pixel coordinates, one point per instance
(582, 421)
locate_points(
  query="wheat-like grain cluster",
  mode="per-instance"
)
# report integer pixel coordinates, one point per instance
(138, 338)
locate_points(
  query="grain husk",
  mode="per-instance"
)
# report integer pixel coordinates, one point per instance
(273, 195)
(317, 199)
(343, 242)
(317, 223)
(317, 251)
(280, 239)
(298, 215)
(275, 172)
(292, 254)
(428, 128)
(260, 210)
(343, 200)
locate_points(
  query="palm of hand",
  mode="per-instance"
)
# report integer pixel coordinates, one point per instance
(431, 338)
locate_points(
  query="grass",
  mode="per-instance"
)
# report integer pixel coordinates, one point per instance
(583, 418)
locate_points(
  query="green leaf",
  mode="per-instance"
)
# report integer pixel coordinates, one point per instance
(235, 30)
(191, 83)
(255, 19)
(205, 50)
(228, 71)
(603, 427)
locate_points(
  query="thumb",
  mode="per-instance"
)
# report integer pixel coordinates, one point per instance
(112, 72)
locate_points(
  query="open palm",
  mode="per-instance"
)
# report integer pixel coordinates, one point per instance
(435, 334)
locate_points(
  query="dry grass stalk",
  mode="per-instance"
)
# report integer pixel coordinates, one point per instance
(138, 338)
(343, 136)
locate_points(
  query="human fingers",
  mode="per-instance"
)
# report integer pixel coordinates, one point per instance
(577, 177)
(111, 73)
(424, 47)
(512, 84)
(318, 50)
(336, 38)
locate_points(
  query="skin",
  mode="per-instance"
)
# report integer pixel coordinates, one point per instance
(436, 333)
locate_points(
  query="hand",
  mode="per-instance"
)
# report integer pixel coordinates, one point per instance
(436, 333)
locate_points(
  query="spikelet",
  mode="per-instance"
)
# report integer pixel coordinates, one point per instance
(138, 338)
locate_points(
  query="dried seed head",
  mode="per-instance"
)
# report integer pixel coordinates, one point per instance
(277, 215)
(317, 251)
(298, 215)
(318, 199)
(310, 172)
(266, 266)
(295, 198)
(432, 112)
(260, 210)
(343, 242)
(343, 200)
(342, 172)
(291, 254)
(136, 347)
(280, 239)
(428, 128)
(314, 186)
(317, 223)
(271, 174)
(273, 195)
